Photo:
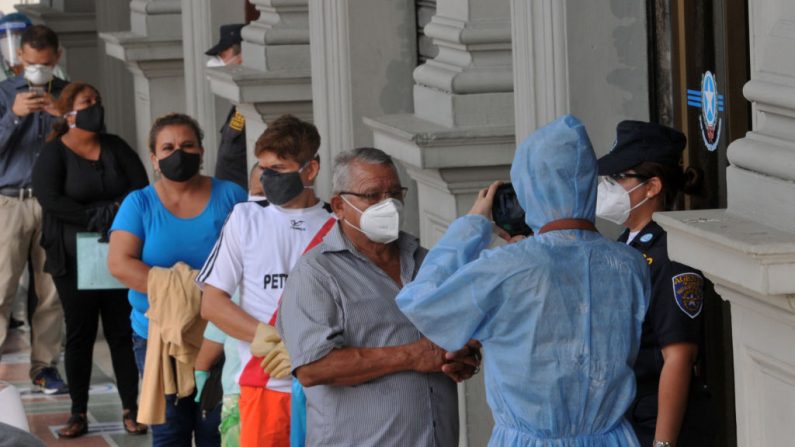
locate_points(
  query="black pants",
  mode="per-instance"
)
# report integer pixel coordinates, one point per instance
(698, 428)
(82, 310)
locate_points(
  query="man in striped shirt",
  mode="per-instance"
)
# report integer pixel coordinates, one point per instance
(371, 378)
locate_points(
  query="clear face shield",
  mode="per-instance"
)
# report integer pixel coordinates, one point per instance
(10, 35)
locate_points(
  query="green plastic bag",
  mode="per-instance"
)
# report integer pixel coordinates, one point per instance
(92, 264)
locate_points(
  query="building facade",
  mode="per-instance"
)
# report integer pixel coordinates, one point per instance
(448, 87)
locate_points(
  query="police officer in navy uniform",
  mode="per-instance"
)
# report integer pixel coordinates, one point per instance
(231, 163)
(642, 175)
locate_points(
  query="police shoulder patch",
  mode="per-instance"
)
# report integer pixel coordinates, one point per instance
(689, 293)
(238, 121)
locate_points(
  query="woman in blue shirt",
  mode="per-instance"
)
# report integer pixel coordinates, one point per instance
(178, 218)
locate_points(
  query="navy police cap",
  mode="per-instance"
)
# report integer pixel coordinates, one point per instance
(638, 142)
(229, 35)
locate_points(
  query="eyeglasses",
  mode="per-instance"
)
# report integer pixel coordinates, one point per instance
(377, 196)
(625, 175)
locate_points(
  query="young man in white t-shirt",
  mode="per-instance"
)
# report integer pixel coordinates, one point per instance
(259, 244)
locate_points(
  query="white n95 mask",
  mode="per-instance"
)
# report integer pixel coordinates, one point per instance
(38, 74)
(380, 222)
(612, 200)
(215, 61)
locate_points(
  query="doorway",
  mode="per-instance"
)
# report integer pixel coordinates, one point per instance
(698, 65)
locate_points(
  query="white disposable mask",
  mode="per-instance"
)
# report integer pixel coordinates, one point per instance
(215, 61)
(38, 74)
(380, 222)
(612, 201)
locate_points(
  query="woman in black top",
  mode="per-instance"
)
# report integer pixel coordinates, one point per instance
(80, 178)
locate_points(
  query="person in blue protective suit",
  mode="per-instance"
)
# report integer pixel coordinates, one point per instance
(559, 314)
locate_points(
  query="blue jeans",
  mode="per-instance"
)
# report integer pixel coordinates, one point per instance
(184, 418)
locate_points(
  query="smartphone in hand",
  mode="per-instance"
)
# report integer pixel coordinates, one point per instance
(37, 90)
(507, 213)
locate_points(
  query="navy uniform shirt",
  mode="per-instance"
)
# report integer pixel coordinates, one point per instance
(231, 164)
(674, 314)
(21, 138)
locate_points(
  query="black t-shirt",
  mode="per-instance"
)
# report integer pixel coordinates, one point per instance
(677, 299)
(73, 190)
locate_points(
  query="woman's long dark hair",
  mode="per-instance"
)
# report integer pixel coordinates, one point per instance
(675, 181)
(64, 104)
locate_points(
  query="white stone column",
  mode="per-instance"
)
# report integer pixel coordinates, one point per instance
(460, 137)
(748, 249)
(152, 51)
(201, 20)
(564, 63)
(75, 23)
(116, 82)
(540, 68)
(275, 76)
(363, 53)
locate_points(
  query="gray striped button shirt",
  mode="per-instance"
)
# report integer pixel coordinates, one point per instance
(335, 297)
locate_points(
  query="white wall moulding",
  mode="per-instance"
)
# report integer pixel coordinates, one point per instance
(362, 55)
(243, 84)
(739, 251)
(274, 78)
(764, 367)
(116, 81)
(540, 68)
(279, 39)
(156, 18)
(131, 47)
(152, 51)
(772, 31)
(470, 80)
(427, 145)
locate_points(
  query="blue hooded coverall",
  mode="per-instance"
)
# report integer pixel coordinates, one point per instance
(559, 314)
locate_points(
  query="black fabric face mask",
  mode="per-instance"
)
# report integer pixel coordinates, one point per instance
(180, 166)
(281, 187)
(91, 118)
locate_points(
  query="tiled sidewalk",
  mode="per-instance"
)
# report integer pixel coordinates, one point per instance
(47, 413)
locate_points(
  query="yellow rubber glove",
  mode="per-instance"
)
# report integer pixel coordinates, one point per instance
(277, 363)
(268, 344)
(265, 339)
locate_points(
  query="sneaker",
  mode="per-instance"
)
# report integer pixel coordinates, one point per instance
(48, 381)
(13, 323)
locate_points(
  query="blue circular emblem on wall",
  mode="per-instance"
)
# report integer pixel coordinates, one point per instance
(709, 98)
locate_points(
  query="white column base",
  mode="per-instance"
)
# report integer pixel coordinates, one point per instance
(752, 267)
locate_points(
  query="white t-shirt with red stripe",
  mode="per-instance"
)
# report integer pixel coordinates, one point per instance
(258, 246)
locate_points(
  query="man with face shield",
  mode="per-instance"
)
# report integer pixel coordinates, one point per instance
(371, 379)
(26, 118)
(559, 314)
(259, 245)
(642, 175)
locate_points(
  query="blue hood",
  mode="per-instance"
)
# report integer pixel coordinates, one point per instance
(554, 173)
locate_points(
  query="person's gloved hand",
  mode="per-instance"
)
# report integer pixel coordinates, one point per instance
(200, 377)
(268, 344)
(265, 339)
(277, 363)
